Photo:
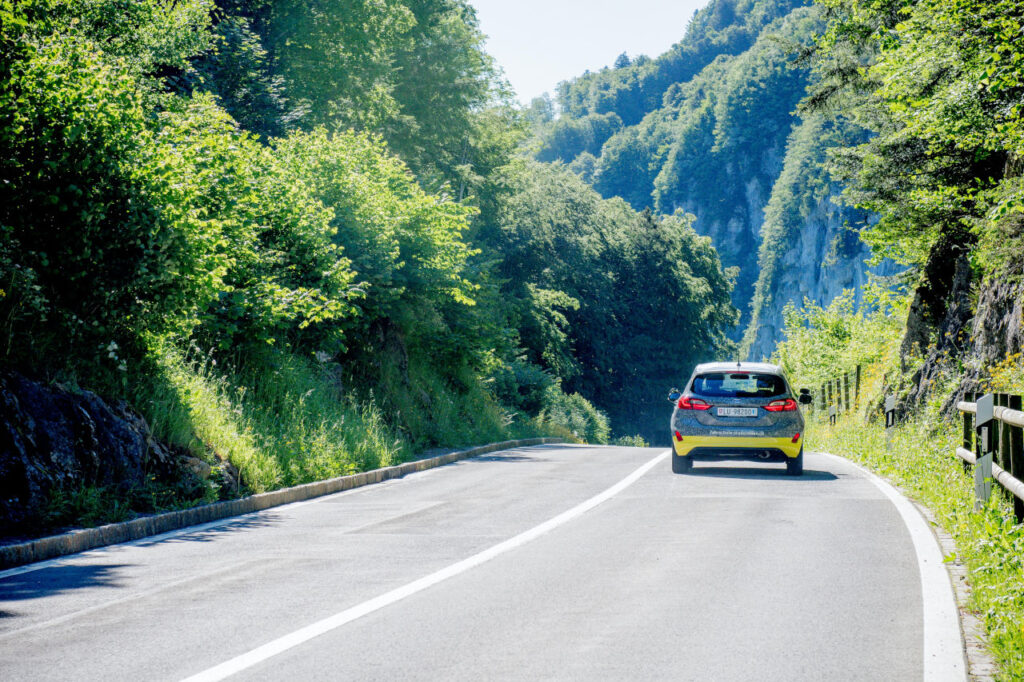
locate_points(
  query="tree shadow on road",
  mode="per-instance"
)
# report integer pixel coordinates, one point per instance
(58, 579)
(760, 474)
(251, 521)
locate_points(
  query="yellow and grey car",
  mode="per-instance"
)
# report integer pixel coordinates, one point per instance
(738, 410)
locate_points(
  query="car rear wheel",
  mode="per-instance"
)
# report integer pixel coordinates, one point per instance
(795, 466)
(681, 465)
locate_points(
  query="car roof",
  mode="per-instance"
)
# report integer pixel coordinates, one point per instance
(763, 367)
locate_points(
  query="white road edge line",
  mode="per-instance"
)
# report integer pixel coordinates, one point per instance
(282, 644)
(944, 657)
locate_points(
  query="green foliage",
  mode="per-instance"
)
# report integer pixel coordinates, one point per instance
(724, 27)
(631, 442)
(95, 247)
(614, 302)
(567, 138)
(938, 84)
(278, 419)
(823, 342)
(575, 414)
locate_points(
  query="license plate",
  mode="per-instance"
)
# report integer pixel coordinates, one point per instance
(737, 411)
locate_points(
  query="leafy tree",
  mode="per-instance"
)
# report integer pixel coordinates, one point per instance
(93, 254)
(615, 303)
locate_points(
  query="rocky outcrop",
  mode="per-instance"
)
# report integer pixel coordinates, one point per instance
(54, 440)
(996, 331)
(810, 247)
(822, 260)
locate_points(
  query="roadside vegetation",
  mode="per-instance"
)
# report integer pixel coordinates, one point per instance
(304, 259)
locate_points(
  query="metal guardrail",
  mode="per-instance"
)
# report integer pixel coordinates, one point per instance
(993, 443)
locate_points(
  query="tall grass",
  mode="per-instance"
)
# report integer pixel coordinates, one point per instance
(282, 420)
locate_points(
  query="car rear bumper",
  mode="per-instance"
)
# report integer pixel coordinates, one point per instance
(717, 447)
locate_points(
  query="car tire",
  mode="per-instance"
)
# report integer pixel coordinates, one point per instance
(681, 465)
(795, 466)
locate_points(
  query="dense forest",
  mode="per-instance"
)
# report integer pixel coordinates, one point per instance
(301, 240)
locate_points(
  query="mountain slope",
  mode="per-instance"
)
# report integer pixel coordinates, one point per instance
(718, 145)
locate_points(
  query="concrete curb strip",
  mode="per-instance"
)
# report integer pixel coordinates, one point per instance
(115, 533)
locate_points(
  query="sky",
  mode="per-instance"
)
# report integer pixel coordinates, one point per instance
(542, 42)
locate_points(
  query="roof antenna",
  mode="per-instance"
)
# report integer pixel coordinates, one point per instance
(737, 363)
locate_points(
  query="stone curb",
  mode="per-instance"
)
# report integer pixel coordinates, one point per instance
(115, 533)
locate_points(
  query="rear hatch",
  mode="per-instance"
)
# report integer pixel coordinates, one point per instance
(741, 400)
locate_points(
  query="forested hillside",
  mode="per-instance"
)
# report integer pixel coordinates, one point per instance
(299, 240)
(712, 128)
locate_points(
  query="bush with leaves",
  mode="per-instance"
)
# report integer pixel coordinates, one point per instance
(575, 414)
(95, 250)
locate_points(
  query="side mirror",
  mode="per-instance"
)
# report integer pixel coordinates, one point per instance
(673, 395)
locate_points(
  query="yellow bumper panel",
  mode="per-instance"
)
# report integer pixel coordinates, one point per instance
(688, 443)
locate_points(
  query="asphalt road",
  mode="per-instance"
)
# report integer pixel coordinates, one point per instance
(736, 572)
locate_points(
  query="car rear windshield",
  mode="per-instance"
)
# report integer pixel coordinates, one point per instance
(738, 385)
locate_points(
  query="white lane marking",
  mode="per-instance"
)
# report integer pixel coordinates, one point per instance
(188, 530)
(943, 640)
(289, 641)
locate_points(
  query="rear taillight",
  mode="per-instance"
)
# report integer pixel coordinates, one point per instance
(787, 405)
(796, 438)
(688, 403)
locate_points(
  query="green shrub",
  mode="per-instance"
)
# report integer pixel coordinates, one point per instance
(574, 414)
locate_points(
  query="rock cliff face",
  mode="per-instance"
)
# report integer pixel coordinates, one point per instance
(53, 440)
(995, 332)
(734, 216)
(809, 245)
(823, 259)
(725, 145)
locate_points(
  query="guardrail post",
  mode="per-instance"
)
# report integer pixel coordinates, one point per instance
(968, 429)
(1001, 433)
(1016, 455)
(983, 467)
(890, 419)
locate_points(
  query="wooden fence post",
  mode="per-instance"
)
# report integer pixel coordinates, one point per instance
(846, 390)
(839, 397)
(856, 389)
(829, 392)
(1016, 455)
